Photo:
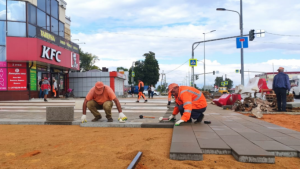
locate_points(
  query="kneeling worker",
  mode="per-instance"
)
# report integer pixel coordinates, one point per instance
(190, 102)
(101, 97)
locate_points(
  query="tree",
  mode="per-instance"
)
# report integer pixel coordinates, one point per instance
(118, 68)
(151, 69)
(219, 80)
(87, 61)
(147, 70)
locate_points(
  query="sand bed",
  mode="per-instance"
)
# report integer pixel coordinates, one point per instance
(76, 147)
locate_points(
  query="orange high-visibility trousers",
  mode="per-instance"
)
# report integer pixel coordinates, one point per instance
(141, 94)
(54, 91)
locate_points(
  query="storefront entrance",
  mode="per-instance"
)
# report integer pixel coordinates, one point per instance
(58, 82)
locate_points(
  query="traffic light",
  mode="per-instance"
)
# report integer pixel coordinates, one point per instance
(214, 72)
(197, 77)
(251, 35)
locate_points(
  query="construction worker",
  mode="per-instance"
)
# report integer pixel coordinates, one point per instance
(170, 98)
(281, 86)
(101, 97)
(190, 102)
(141, 90)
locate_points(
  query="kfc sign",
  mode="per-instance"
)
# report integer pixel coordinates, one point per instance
(49, 53)
(74, 63)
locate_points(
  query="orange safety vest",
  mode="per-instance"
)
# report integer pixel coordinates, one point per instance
(190, 98)
(141, 84)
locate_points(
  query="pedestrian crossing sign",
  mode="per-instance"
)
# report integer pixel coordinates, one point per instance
(226, 82)
(133, 74)
(193, 62)
(222, 83)
(237, 71)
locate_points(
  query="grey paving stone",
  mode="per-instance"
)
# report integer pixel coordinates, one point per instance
(206, 135)
(256, 137)
(253, 159)
(157, 125)
(185, 151)
(288, 140)
(278, 149)
(201, 127)
(216, 143)
(60, 113)
(184, 138)
(287, 131)
(271, 133)
(296, 148)
(295, 135)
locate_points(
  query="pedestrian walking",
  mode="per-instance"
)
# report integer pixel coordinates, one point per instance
(152, 91)
(132, 90)
(54, 87)
(149, 92)
(46, 88)
(281, 86)
(100, 97)
(41, 94)
(141, 90)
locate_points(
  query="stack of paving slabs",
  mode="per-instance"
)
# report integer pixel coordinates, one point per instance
(247, 139)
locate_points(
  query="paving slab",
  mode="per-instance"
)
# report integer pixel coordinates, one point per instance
(277, 148)
(296, 135)
(256, 137)
(214, 146)
(245, 151)
(186, 151)
(296, 148)
(288, 140)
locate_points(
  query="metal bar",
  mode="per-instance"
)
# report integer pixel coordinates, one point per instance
(135, 160)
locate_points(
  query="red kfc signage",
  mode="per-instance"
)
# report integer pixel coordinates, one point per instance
(17, 79)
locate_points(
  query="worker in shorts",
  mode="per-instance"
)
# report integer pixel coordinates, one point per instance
(190, 102)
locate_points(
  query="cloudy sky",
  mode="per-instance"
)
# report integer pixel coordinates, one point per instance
(121, 31)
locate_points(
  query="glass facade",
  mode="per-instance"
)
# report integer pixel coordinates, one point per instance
(16, 11)
(31, 14)
(54, 9)
(2, 33)
(2, 9)
(54, 25)
(48, 6)
(16, 29)
(31, 31)
(41, 4)
(61, 29)
(41, 19)
(2, 53)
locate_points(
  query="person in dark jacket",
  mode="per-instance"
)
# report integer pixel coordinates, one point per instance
(132, 90)
(281, 86)
(149, 92)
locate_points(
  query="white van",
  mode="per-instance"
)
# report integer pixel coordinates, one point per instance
(295, 87)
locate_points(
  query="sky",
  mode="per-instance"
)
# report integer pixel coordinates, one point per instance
(121, 31)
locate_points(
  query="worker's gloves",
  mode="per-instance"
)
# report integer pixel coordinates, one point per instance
(168, 104)
(171, 117)
(122, 118)
(178, 122)
(83, 119)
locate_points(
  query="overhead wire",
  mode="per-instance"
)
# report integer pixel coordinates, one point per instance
(177, 67)
(281, 34)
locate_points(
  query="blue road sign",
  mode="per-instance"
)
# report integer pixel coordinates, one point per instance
(242, 42)
(193, 62)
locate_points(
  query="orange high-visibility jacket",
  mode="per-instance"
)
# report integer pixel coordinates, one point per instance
(141, 84)
(170, 96)
(190, 98)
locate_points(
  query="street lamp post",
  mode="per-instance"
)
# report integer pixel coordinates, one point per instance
(241, 29)
(204, 55)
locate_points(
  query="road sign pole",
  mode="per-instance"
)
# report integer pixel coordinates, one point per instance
(242, 50)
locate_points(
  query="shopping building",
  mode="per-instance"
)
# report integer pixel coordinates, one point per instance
(34, 43)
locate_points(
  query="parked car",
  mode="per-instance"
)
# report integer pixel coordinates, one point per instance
(156, 93)
(136, 90)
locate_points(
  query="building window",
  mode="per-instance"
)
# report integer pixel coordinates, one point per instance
(41, 4)
(48, 23)
(2, 9)
(31, 31)
(54, 25)
(54, 9)
(31, 14)
(2, 53)
(61, 29)
(41, 19)
(16, 29)
(16, 11)
(2, 33)
(48, 6)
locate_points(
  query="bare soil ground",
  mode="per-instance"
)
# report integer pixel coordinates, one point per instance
(77, 147)
(284, 120)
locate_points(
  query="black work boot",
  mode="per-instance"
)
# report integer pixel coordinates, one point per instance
(110, 120)
(96, 118)
(200, 118)
(137, 101)
(146, 101)
(45, 100)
